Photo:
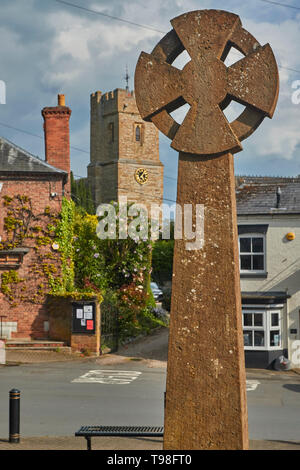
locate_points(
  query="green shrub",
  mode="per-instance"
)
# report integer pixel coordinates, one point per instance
(162, 261)
(166, 300)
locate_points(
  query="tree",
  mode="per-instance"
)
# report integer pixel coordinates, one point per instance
(162, 261)
(82, 195)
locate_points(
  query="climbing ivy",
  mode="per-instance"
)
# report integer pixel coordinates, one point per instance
(69, 260)
(23, 227)
(9, 280)
(64, 233)
(17, 220)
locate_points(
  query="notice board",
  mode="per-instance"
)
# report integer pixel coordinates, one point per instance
(83, 317)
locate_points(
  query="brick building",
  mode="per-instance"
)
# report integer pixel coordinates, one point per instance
(124, 151)
(41, 184)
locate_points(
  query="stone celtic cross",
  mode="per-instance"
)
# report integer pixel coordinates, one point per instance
(206, 386)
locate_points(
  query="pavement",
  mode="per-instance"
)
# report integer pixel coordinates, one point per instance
(153, 351)
(118, 443)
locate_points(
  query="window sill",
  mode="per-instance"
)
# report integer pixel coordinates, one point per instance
(5, 267)
(257, 348)
(252, 275)
(15, 263)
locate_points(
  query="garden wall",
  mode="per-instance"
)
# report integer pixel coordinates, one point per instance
(61, 326)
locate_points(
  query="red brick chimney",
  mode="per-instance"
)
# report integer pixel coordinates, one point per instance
(57, 137)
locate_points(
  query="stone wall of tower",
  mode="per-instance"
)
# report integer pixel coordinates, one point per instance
(147, 194)
(104, 112)
(108, 173)
(116, 153)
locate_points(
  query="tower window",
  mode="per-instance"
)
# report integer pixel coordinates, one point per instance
(138, 133)
(111, 131)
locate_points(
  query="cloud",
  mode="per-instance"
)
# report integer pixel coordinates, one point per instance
(284, 39)
(86, 41)
(49, 48)
(280, 136)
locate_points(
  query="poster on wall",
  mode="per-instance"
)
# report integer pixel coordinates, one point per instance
(79, 313)
(88, 315)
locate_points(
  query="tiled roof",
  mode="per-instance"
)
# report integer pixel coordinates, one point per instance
(15, 159)
(257, 195)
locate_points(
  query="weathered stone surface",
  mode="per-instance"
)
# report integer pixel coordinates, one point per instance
(206, 84)
(206, 385)
(206, 398)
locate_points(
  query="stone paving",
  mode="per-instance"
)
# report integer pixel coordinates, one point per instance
(118, 443)
(17, 356)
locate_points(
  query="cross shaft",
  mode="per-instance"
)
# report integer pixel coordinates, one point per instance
(206, 384)
(205, 395)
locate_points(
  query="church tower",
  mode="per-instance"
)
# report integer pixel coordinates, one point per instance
(124, 151)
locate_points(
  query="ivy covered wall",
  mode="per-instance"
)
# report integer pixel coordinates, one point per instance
(68, 259)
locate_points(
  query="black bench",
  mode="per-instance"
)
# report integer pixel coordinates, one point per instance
(121, 431)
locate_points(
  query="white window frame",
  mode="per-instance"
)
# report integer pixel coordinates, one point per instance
(253, 235)
(267, 328)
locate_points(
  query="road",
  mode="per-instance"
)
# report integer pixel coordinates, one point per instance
(274, 406)
(53, 404)
(57, 398)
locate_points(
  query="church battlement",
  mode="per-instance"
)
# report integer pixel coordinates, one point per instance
(116, 101)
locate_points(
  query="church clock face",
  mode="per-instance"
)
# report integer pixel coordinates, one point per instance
(141, 175)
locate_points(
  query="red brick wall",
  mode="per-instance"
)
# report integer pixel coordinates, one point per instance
(57, 138)
(88, 343)
(60, 316)
(30, 317)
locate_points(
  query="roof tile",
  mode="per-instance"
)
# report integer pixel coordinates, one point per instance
(15, 159)
(257, 195)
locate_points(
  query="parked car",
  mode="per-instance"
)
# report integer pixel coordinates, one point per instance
(157, 292)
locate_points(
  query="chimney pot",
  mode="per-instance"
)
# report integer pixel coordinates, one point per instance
(278, 195)
(61, 100)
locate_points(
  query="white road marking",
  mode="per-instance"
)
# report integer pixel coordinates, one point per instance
(111, 377)
(251, 385)
(122, 377)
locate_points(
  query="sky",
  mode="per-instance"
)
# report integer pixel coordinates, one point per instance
(48, 47)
